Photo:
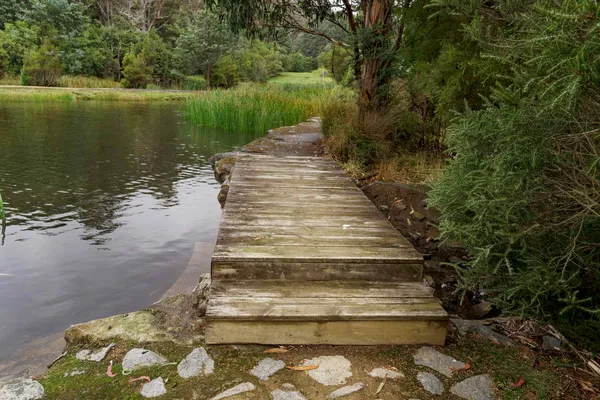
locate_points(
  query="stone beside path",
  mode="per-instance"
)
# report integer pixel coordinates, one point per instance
(137, 358)
(234, 391)
(333, 370)
(266, 368)
(22, 389)
(96, 356)
(154, 388)
(345, 391)
(431, 358)
(430, 382)
(287, 392)
(196, 363)
(479, 387)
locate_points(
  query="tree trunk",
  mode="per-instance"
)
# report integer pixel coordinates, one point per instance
(377, 37)
(207, 77)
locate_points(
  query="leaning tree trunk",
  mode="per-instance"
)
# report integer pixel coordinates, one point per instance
(378, 25)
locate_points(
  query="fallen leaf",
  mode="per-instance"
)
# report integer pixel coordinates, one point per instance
(302, 367)
(145, 378)
(109, 372)
(520, 383)
(382, 384)
(276, 350)
(587, 386)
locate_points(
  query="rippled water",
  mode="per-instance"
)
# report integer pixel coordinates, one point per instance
(104, 204)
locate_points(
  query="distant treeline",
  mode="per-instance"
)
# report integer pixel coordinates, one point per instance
(155, 43)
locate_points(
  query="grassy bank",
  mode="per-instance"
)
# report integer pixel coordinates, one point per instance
(301, 78)
(42, 94)
(258, 108)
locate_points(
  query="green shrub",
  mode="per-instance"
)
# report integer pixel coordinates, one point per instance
(3, 62)
(136, 73)
(225, 72)
(522, 191)
(41, 67)
(194, 82)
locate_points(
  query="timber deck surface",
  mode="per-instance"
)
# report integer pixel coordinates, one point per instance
(303, 256)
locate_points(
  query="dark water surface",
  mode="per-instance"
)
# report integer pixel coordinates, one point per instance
(105, 201)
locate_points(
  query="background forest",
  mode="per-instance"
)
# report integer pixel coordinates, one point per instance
(138, 44)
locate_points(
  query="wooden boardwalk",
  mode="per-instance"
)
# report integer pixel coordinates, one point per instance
(304, 257)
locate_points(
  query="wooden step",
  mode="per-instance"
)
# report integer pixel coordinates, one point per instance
(324, 312)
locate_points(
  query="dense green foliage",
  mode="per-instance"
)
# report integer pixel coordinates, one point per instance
(156, 43)
(41, 67)
(523, 188)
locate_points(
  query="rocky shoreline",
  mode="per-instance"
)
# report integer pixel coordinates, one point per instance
(159, 352)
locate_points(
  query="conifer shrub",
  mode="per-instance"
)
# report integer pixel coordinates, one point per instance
(522, 191)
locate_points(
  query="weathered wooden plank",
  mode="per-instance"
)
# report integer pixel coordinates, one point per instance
(320, 289)
(324, 309)
(315, 231)
(296, 208)
(299, 222)
(327, 332)
(314, 254)
(314, 271)
(256, 239)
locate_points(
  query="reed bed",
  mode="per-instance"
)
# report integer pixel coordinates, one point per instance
(2, 215)
(252, 108)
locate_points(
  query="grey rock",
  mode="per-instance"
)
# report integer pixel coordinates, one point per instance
(97, 356)
(266, 368)
(333, 370)
(430, 382)
(154, 388)
(202, 293)
(241, 388)
(137, 358)
(480, 387)
(345, 391)
(445, 365)
(469, 326)
(287, 392)
(550, 342)
(196, 363)
(454, 260)
(386, 373)
(22, 389)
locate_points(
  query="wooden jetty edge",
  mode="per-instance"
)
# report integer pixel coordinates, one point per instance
(304, 257)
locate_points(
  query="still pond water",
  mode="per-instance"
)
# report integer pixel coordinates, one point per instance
(105, 202)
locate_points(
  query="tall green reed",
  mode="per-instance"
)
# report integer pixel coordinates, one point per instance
(252, 108)
(2, 214)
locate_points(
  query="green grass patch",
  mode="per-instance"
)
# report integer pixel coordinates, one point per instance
(41, 95)
(255, 109)
(94, 384)
(79, 81)
(302, 78)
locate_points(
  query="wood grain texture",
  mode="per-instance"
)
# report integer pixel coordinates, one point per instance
(328, 332)
(304, 257)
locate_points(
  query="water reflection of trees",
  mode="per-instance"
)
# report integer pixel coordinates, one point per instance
(87, 161)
